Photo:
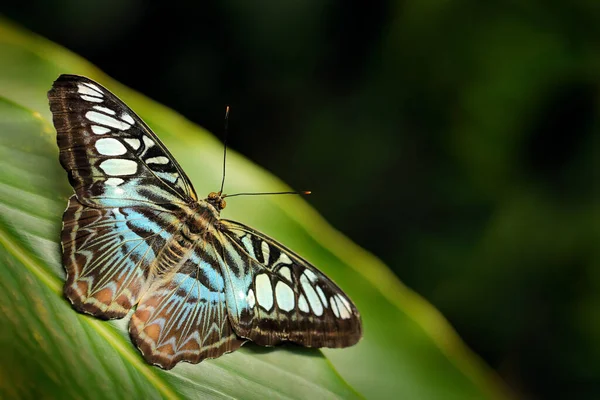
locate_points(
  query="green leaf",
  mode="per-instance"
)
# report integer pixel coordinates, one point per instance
(49, 350)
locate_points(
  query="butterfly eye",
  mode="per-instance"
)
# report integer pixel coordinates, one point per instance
(213, 195)
(222, 204)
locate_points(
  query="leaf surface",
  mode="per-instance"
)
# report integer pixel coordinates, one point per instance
(49, 350)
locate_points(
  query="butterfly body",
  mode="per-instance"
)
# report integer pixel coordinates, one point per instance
(135, 236)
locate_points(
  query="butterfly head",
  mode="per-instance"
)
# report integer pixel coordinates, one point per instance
(215, 199)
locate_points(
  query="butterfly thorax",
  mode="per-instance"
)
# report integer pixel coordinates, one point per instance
(198, 220)
(216, 200)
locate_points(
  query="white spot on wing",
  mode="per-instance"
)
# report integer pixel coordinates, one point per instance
(264, 291)
(110, 147)
(266, 251)
(114, 181)
(116, 167)
(345, 301)
(250, 298)
(284, 259)
(322, 295)
(313, 298)
(158, 160)
(92, 99)
(344, 313)
(127, 118)
(86, 90)
(105, 110)
(134, 143)
(104, 119)
(285, 271)
(285, 296)
(310, 275)
(99, 130)
(334, 307)
(147, 142)
(302, 304)
(95, 87)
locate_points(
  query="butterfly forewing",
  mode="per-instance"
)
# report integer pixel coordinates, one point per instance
(274, 295)
(112, 157)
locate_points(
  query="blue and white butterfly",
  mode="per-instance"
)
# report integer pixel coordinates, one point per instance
(135, 235)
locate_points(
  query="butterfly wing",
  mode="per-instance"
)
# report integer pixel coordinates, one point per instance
(274, 295)
(108, 254)
(183, 317)
(113, 159)
(128, 193)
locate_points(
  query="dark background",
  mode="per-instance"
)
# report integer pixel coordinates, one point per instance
(456, 140)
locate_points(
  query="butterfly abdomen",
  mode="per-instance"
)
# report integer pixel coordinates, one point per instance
(194, 223)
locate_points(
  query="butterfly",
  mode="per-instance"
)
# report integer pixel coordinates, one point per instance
(135, 236)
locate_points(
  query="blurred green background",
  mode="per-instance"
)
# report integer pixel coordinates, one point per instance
(458, 141)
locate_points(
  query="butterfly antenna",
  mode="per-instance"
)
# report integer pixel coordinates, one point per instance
(225, 131)
(302, 192)
(225, 146)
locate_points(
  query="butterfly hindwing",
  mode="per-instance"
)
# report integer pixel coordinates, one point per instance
(273, 295)
(108, 254)
(112, 157)
(183, 317)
